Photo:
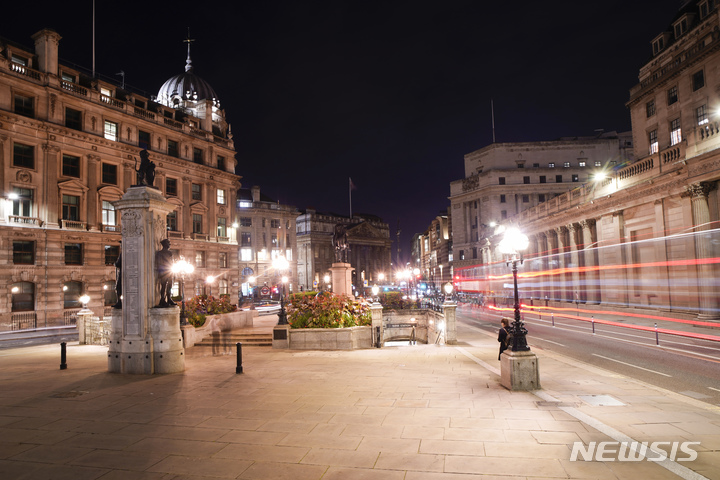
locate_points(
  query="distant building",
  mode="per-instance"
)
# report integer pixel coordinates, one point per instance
(504, 179)
(432, 252)
(369, 240)
(68, 149)
(266, 231)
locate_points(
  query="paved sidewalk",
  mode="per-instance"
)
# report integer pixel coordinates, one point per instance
(414, 413)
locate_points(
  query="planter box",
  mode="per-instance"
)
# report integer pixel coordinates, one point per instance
(350, 338)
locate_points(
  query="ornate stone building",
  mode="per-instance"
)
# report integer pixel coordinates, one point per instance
(646, 235)
(368, 238)
(68, 149)
(266, 231)
(432, 252)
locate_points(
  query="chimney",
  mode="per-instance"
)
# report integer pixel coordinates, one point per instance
(46, 49)
(255, 193)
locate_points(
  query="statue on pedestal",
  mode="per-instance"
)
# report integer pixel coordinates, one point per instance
(340, 242)
(146, 172)
(163, 263)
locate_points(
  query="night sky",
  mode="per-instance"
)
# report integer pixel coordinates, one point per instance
(392, 94)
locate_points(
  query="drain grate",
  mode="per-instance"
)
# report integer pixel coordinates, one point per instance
(601, 400)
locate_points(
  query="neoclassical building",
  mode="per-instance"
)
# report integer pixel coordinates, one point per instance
(432, 252)
(266, 230)
(368, 239)
(645, 235)
(69, 143)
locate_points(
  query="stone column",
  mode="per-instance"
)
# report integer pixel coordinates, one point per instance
(51, 192)
(552, 280)
(592, 275)
(3, 141)
(708, 295)
(450, 323)
(92, 195)
(376, 310)
(341, 277)
(574, 275)
(564, 278)
(543, 290)
(144, 339)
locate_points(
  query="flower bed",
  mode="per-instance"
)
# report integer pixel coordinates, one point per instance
(326, 310)
(200, 306)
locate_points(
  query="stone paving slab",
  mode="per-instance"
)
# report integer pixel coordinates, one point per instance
(412, 413)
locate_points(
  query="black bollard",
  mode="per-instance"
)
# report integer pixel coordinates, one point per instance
(378, 344)
(238, 368)
(63, 356)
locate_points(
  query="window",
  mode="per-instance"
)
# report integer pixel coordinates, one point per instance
(501, 180)
(288, 254)
(551, 165)
(23, 156)
(73, 254)
(19, 60)
(71, 166)
(650, 108)
(172, 221)
(274, 239)
(200, 259)
(598, 164)
(222, 260)
(701, 114)
(461, 254)
(566, 165)
(244, 204)
(23, 252)
(22, 205)
(581, 164)
(245, 239)
(109, 173)
(222, 287)
(106, 91)
(73, 119)
(221, 162)
(502, 198)
(558, 178)
(24, 106)
(23, 296)
(681, 27)
(197, 155)
(526, 180)
(108, 213)
(536, 165)
(173, 149)
(274, 223)
(704, 9)
(246, 255)
(287, 224)
(171, 187)
(672, 95)
(197, 223)
(575, 178)
(675, 132)
(144, 139)
(658, 45)
(541, 197)
(245, 222)
(543, 179)
(67, 77)
(112, 252)
(200, 287)
(196, 191)
(503, 214)
(526, 198)
(71, 208)
(221, 197)
(221, 227)
(653, 140)
(109, 294)
(111, 130)
(698, 80)
(71, 294)
(521, 165)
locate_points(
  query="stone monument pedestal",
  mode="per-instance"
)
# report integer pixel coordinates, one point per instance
(342, 279)
(519, 371)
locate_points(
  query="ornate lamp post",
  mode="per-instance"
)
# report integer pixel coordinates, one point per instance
(281, 265)
(183, 268)
(375, 292)
(512, 245)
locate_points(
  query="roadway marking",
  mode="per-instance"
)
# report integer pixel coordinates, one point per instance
(549, 341)
(716, 389)
(631, 365)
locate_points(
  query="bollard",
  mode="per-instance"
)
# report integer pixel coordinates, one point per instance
(657, 339)
(238, 368)
(593, 323)
(552, 315)
(378, 342)
(63, 356)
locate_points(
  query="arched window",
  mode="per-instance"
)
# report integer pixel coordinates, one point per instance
(109, 293)
(71, 294)
(23, 296)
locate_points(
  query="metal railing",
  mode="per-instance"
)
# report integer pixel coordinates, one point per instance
(70, 316)
(24, 320)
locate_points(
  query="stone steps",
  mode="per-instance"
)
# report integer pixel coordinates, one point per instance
(247, 340)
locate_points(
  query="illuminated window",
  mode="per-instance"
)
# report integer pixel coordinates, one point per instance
(652, 138)
(222, 260)
(702, 114)
(222, 227)
(22, 206)
(221, 197)
(200, 259)
(244, 204)
(111, 130)
(581, 164)
(108, 213)
(566, 165)
(675, 132)
(274, 239)
(246, 255)
(551, 165)
(222, 287)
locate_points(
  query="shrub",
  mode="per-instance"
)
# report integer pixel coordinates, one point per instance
(326, 310)
(394, 300)
(200, 306)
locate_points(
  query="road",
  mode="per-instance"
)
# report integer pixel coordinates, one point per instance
(686, 366)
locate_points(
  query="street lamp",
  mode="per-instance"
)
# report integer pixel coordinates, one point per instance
(375, 292)
(183, 268)
(512, 245)
(327, 282)
(281, 265)
(448, 290)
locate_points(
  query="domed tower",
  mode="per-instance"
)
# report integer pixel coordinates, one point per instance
(195, 97)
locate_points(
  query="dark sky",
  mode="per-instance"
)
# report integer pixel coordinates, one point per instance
(392, 93)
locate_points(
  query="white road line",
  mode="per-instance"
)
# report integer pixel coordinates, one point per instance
(546, 340)
(716, 389)
(631, 365)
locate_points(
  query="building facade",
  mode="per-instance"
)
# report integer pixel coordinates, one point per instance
(369, 245)
(266, 231)
(645, 236)
(505, 179)
(68, 149)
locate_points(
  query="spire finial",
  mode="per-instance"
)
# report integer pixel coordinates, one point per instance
(188, 62)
